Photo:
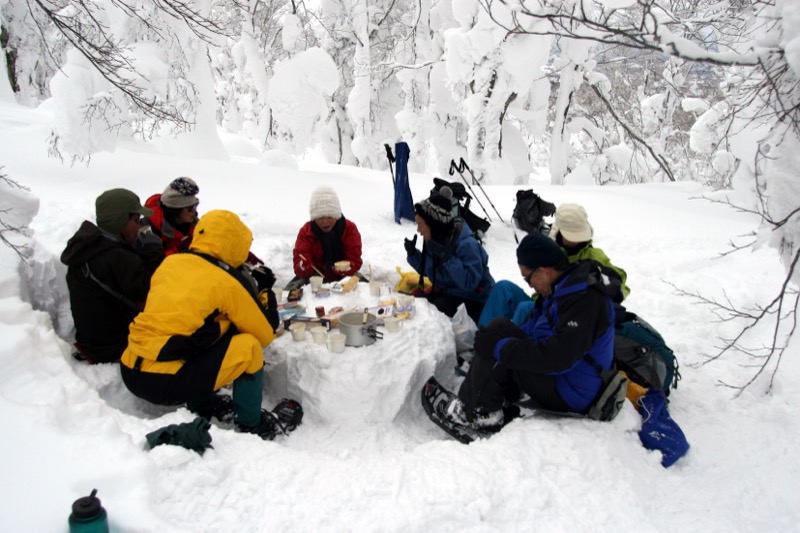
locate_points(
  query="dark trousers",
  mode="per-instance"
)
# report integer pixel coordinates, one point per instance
(194, 380)
(449, 305)
(489, 385)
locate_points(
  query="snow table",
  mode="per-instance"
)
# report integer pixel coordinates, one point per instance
(367, 384)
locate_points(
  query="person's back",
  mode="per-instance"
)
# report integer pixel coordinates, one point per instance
(108, 280)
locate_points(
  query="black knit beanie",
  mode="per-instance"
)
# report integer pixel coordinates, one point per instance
(437, 212)
(536, 251)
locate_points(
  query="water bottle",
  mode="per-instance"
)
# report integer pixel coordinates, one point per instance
(88, 516)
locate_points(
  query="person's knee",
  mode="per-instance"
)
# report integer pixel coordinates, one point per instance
(503, 327)
(244, 356)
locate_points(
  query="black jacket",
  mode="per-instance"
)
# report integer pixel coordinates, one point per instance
(102, 319)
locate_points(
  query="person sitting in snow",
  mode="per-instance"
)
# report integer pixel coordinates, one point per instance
(572, 231)
(451, 258)
(107, 278)
(205, 326)
(328, 244)
(174, 215)
(556, 356)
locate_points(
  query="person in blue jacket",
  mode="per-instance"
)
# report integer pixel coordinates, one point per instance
(557, 355)
(451, 257)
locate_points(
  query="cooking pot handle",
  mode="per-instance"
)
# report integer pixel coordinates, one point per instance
(372, 333)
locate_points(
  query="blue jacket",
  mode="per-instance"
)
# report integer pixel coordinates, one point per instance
(570, 335)
(461, 268)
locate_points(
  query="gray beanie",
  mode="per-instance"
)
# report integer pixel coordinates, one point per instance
(113, 209)
(324, 203)
(182, 192)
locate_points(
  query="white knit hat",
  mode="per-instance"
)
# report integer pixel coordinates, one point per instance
(182, 192)
(324, 203)
(573, 223)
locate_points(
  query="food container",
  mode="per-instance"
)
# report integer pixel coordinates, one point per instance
(358, 330)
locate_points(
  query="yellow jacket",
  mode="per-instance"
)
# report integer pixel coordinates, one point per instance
(193, 302)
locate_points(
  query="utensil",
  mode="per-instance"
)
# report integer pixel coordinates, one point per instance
(311, 265)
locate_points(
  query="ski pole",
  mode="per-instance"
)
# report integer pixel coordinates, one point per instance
(390, 157)
(478, 183)
(453, 166)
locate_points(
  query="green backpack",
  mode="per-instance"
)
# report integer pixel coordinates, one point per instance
(641, 352)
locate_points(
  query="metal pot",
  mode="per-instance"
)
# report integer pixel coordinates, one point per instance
(359, 329)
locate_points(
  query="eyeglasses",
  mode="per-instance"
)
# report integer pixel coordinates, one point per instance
(192, 207)
(135, 216)
(527, 277)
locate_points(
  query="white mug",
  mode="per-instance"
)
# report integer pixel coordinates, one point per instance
(375, 288)
(298, 330)
(336, 342)
(278, 294)
(316, 282)
(393, 324)
(319, 334)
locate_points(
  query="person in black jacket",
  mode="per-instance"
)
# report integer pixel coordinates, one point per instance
(107, 278)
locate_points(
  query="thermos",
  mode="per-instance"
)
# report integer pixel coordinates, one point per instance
(88, 516)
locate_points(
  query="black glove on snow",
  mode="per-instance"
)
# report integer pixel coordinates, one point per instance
(411, 245)
(264, 277)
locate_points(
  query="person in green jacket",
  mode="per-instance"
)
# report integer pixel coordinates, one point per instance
(572, 231)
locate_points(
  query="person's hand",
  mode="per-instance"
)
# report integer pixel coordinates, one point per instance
(253, 259)
(145, 236)
(264, 277)
(438, 250)
(411, 245)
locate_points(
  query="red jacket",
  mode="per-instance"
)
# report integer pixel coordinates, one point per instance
(308, 246)
(173, 240)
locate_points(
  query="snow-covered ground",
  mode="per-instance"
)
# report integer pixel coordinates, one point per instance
(69, 428)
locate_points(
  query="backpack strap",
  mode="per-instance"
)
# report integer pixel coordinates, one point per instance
(87, 273)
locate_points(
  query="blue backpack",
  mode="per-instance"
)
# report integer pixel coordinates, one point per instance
(641, 352)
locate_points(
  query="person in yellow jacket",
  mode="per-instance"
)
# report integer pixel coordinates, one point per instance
(204, 326)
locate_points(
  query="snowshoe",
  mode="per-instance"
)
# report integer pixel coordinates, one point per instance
(289, 413)
(435, 402)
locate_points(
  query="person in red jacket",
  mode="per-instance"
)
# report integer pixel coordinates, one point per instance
(174, 215)
(328, 244)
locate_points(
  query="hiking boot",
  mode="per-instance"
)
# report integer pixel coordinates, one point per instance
(481, 420)
(268, 428)
(222, 409)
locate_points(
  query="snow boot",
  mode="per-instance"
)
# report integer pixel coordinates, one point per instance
(267, 428)
(219, 406)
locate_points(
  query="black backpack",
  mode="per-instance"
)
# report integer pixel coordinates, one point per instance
(530, 211)
(460, 202)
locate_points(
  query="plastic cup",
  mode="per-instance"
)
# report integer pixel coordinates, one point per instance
(298, 330)
(316, 282)
(278, 294)
(393, 324)
(375, 288)
(336, 342)
(319, 334)
(405, 301)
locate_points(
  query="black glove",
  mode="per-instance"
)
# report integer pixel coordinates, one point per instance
(485, 341)
(438, 250)
(411, 245)
(264, 277)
